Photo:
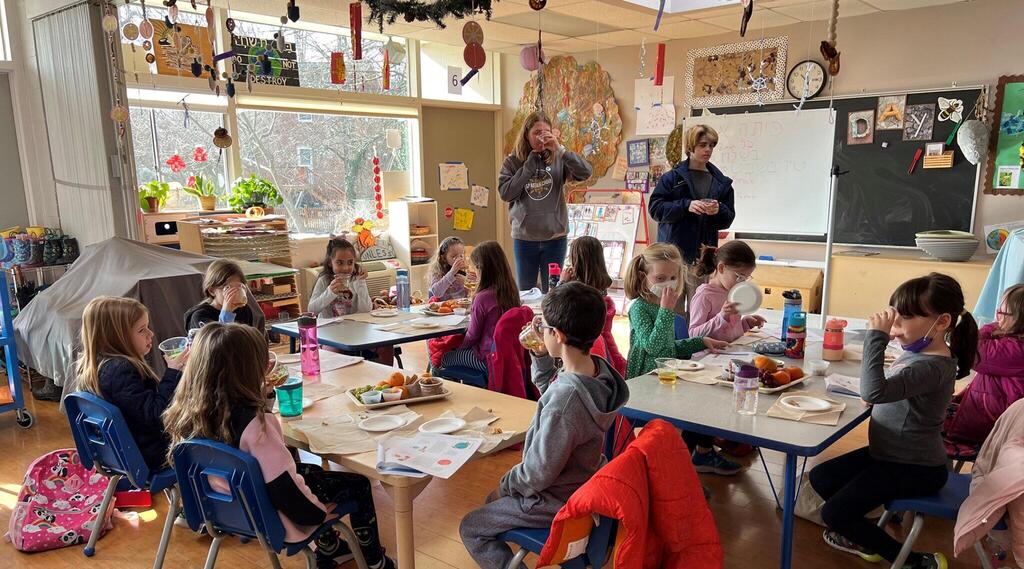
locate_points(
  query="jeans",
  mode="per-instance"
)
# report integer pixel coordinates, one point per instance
(854, 484)
(532, 259)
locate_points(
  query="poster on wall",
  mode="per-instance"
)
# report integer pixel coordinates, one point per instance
(175, 50)
(655, 112)
(1006, 145)
(736, 73)
(284, 65)
(996, 234)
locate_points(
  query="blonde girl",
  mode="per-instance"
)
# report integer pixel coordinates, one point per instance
(654, 282)
(226, 301)
(710, 312)
(223, 399)
(115, 340)
(449, 270)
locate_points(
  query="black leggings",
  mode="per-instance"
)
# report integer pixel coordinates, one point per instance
(336, 487)
(854, 484)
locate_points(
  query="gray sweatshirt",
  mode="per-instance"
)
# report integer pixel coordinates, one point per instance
(565, 441)
(909, 405)
(534, 192)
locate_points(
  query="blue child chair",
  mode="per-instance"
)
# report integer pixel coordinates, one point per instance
(682, 329)
(245, 511)
(104, 442)
(532, 541)
(945, 504)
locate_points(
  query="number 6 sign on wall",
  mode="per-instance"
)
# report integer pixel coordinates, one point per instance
(454, 80)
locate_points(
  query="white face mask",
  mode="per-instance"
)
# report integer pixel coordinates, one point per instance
(658, 288)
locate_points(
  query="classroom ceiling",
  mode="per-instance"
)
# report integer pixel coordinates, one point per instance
(583, 25)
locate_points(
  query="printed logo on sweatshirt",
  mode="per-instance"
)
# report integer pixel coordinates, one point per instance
(539, 186)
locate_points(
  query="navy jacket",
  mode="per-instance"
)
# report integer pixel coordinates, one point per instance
(670, 207)
(141, 401)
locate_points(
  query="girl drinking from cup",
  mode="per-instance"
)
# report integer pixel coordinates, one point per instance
(226, 300)
(449, 271)
(340, 289)
(115, 340)
(223, 399)
(710, 312)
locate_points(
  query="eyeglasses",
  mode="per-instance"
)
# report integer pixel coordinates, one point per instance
(740, 277)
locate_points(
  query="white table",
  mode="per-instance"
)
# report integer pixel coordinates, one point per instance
(708, 409)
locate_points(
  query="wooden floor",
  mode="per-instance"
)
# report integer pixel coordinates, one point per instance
(744, 510)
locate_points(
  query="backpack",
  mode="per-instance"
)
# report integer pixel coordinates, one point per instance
(58, 503)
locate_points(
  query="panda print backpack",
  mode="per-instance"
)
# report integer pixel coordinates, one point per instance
(58, 503)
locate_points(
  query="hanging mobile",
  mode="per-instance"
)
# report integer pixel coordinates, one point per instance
(538, 4)
(293, 11)
(221, 138)
(748, 10)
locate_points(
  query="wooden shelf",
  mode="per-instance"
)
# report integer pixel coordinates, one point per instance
(274, 297)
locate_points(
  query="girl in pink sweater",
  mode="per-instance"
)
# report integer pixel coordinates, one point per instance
(710, 313)
(223, 398)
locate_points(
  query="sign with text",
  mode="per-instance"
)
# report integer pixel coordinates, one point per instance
(284, 66)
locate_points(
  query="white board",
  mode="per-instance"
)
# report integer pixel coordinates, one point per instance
(780, 163)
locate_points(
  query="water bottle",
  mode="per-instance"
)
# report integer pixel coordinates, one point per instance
(832, 346)
(744, 390)
(793, 303)
(554, 275)
(308, 346)
(796, 336)
(402, 289)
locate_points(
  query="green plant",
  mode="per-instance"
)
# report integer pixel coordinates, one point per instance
(251, 191)
(154, 189)
(201, 186)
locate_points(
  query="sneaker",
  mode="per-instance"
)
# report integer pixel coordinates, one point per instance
(739, 450)
(929, 561)
(332, 550)
(842, 544)
(712, 462)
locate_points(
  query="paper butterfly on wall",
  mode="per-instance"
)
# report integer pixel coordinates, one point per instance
(1012, 124)
(364, 236)
(950, 109)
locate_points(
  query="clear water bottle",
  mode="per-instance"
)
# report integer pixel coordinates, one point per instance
(744, 390)
(792, 303)
(554, 275)
(309, 348)
(402, 289)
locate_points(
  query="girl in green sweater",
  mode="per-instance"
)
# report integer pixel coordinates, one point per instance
(654, 282)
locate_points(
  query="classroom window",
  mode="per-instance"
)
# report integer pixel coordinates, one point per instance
(5, 38)
(341, 188)
(167, 149)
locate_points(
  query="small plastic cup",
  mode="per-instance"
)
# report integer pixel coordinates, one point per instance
(530, 337)
(666, 363)
(173, 347)
(667, 375)
(818, 367)
(289, 398)
(371, 397)
(391, 395)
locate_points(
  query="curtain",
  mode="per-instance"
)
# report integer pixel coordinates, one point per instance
(74, 107)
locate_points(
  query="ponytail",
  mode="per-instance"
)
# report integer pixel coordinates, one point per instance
(636, 285)
(705, 264)
(963, 343)
(734, 254)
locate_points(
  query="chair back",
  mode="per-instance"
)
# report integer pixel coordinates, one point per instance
(682, 328)
(224, 486)
(601, 539)
(103, 439)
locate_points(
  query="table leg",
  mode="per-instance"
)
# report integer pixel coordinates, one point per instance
(291, 345)
(402, 497)
(788, 507)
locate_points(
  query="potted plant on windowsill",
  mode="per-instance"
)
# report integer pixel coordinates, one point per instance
(153, 195)
(254, 192)
(203, 188)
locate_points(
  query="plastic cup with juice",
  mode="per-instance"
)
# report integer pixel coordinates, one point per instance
(173, 347)
(289, 398)
(667, 375)
(530, 337)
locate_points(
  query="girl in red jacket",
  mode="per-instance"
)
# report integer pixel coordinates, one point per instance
(999, 381)
(586, 264)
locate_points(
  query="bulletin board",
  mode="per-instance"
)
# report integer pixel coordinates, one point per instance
(615, 225)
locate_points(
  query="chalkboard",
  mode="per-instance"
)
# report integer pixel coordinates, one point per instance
(877, 202)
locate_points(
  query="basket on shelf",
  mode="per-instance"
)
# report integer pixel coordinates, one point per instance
(419, 230)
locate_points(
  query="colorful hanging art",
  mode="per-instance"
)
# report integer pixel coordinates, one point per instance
(736, 74)
(337, 68)
(382, 11)
(355, 22)
(385, 81)
(378, 198)
(580, 101)
(177, 46)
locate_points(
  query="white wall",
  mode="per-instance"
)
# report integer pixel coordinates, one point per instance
(965, 44)
(13, 210)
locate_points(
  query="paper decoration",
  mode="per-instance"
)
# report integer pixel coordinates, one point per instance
(919, 122)
(378, 197)
(1008, 177)
(454, 80)
(890, 112)
(860, 127)
(449, 212)
(531, 56)
(386, 72)
(1006, 147)
(619, 170)
(175, 48)
(656, 120)
(658, 145)
(396, 52)
(638, 180)
(996, 234)
(453, 176)
(723, 75)
(462, 219)
(638, 152)
(655, 113)
(659, 67)
(355, 20)
(479, 196)
(646, 94)
(394, 138)
(337, 68)
(950, 109)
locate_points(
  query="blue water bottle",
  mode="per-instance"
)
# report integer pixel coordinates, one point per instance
(792, 303)
(402, 289)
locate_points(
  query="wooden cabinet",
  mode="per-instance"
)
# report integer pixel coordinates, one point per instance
(774, 280)
(413, 226)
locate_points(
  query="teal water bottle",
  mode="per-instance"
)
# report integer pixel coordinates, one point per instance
(792, 303)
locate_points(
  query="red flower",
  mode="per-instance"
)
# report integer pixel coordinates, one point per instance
(176, 163)
(191, 182)
(199, 155)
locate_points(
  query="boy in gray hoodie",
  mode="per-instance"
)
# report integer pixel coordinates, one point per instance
(565, 441)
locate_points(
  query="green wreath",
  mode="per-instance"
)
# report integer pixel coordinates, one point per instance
(416, 11)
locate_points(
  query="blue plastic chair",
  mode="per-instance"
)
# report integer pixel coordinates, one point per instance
(532, 541)
(945, 504)
(105, 443)
(246, 511)
(682, 329)
(462, 374)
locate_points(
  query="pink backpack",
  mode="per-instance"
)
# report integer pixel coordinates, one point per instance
(58, 503)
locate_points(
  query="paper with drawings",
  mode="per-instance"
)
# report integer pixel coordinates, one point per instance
(479, 196)
(425, 454)
(453, 176)
(656, 120)
(646, 94)
(655, 109)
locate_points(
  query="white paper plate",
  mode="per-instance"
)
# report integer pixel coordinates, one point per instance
(747, 296)
(805, 403)
(384, 312)
(425, 324)
(381, 423)
(687, 365)
(443, 425)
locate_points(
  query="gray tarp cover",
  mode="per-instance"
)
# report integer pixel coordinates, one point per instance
(166, 280)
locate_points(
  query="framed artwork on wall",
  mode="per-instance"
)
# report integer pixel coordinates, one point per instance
(638, 152)
(736, 73)
(1006, 144)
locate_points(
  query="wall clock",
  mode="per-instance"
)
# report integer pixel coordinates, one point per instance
(806, 80)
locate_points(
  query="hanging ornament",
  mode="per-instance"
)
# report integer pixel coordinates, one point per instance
(250, 70)
(147, 45)
(229, 88)
(355, 22)
(386, 72)
(279, 37)
(168, 22)
(472, 33)
(973, 135)
(530, 57)
(659, 66)
(209, 18)
(396, 52)
(748, 10)
(172, 14)
(119, 114)
(293, 11)
(265, 66)
(828, 45)
(230, 24)
(221, 138)
(109, 23)
(194, 7)
(538, 4)
(338, 68)
(150, 58)
(170, 3)
(284, 20)
(130, 31)
(146, 29)
(475, 57)
(449, 212)
(196, 68)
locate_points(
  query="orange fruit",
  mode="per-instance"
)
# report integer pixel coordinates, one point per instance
(766, 364)
(396, 379)
(782, 378)
(445, 310)
(795, 373)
